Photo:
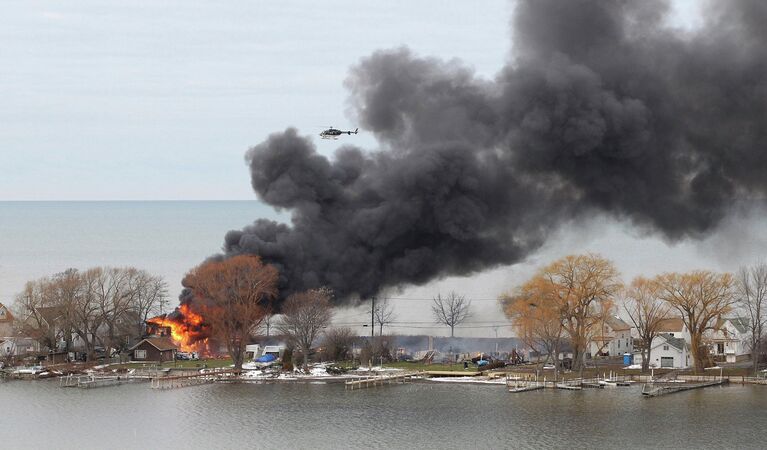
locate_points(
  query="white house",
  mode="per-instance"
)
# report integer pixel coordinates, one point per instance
(613, 339)
(730, 341)
(675, 327)
(668, 352)
(18, 346)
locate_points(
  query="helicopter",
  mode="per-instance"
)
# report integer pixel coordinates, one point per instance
(333, 133)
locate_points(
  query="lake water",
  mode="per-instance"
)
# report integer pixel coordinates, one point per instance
(417, 415)
(164, 237)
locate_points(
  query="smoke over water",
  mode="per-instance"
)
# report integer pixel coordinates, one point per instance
(602, 109)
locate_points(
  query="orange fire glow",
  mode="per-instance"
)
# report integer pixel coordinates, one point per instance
(187, 329)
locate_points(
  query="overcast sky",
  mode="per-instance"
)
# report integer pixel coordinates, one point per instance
(160, 100)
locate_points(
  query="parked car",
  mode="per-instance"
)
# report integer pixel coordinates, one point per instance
(187, 356)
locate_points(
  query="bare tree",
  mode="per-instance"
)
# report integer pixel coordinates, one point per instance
(85, 311)
(537, 319)
(237, 292)
(304, 315)
(701, 297)
(752, 294)
(112, 295)
(148, 294)
(383, 314)
(67, 288)
(450, 310)
(583, 287)
(94, 305)
(338, 343)
(28, 307)
(647, 312)
(267, 324)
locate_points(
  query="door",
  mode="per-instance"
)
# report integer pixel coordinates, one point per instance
(666, 361)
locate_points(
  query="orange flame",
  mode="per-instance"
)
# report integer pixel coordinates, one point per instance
(186, 330)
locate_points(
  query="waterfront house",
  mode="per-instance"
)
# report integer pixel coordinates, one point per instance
(675, 327)
(730, 341)
(154, 349)
(667, 351)
(18, 346)
(6, 322)
(613, 339)
(46, 324)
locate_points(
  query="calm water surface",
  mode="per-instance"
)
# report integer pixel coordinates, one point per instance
(164, 237)
(40, 414)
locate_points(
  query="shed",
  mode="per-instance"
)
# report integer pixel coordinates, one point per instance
(154, 349)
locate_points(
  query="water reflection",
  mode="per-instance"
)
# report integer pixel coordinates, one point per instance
(403, 416)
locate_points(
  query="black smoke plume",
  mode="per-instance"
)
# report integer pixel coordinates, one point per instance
(603, 108)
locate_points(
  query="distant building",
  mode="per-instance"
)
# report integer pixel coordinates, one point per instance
(46, 324)
(6, 322)
(675, 327)
(730, 342)
(18, 346)
(667, 351)
(613, 339)
(159, 349)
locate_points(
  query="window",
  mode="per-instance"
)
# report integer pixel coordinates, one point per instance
(140, 354)
(665, 347)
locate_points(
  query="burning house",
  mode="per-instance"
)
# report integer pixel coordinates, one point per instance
(185, 327)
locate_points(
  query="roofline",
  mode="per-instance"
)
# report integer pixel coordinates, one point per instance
(152, 344)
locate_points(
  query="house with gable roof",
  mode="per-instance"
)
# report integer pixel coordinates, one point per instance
(6, 322)
(612, 339)
(730, 341)
(154, 348)
(667, 351)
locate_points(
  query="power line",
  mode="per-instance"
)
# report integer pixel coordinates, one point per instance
(417, 299)
(425, 326)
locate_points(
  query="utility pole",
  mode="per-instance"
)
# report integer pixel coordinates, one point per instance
(372, 318)
(372, 330)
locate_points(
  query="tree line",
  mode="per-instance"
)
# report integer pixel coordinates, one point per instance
(107, 307)
(100, 306)
(569, 300)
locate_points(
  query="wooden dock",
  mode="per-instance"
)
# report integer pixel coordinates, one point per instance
(656, 389)
(95, 381)
(380, 380)
(450, 373)
(194, 379)
(516, 384)
(526, 388)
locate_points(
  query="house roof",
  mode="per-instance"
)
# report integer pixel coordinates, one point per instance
(160, 343)
(671, 325)
(8, 317)
(676, 342)
(617, 324)
(51, 313)
(740, 324)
